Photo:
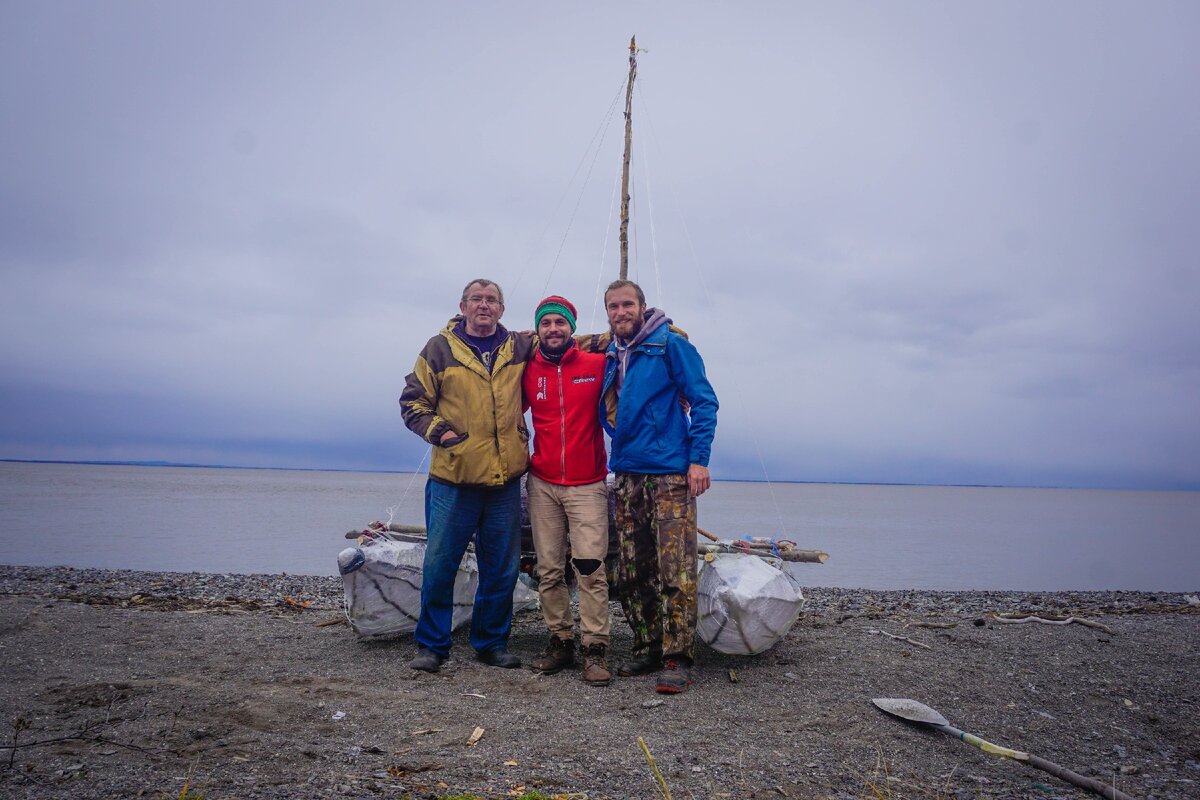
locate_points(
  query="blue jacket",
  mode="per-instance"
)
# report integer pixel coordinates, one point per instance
(650, 432)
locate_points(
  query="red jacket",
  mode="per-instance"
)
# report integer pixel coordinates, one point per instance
(568, 442)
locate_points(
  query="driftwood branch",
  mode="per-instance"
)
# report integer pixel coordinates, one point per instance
(901, 638)
(88, 733)
(1014, 619)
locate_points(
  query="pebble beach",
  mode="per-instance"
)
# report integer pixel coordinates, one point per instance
(136, 684)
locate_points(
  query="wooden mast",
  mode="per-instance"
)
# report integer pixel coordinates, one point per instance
(625, 163)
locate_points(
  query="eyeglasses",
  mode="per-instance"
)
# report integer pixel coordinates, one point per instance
(478, 300)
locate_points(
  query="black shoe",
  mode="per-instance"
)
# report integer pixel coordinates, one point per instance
(500, 657)
(647, 662)
(559, 653)
(426, 661)
(676, 677)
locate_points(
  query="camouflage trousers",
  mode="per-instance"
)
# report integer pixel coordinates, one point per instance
(656, 529)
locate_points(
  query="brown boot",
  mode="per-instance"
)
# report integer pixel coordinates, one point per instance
(559, 653)
(595, 667)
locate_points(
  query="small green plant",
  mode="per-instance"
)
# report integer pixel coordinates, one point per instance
(186, 793)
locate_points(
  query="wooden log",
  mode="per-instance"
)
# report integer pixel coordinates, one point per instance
(764, 548)
(801, 556)
(380, 528)
(396, 527)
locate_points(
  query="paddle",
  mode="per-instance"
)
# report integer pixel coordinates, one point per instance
(913, 711)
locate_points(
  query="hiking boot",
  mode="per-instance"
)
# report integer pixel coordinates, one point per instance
(500, 657)
(595, 667)
(675, 678)
(559, 653)
(647, 662)
(426, 661)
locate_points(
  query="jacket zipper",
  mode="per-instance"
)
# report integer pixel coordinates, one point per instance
(562, 427)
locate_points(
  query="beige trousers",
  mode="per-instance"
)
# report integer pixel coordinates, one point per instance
(578, 516)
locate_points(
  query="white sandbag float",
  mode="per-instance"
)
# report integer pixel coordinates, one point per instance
(744, 604)
(382, 581)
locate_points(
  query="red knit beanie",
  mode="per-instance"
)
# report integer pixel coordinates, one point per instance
(555, 305)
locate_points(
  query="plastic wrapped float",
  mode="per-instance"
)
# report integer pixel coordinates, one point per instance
(382, 582)
(744, 604)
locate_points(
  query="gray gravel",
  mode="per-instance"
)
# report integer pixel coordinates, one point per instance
(127, 681)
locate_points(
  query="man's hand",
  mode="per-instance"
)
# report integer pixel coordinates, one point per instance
(698, 480)
(450, 437)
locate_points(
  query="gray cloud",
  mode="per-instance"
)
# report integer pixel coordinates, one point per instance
(930, 243)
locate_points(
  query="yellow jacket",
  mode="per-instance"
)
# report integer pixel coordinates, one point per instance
(451, 389)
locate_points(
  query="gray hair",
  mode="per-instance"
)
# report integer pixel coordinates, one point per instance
(484, 282)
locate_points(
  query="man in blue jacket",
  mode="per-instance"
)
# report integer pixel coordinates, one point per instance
(660, 457)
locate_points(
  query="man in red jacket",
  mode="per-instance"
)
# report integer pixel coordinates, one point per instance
(568, 497)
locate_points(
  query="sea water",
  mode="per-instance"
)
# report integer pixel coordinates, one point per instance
(880, 537)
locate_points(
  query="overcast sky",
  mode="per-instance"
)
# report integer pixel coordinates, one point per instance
(915, 242)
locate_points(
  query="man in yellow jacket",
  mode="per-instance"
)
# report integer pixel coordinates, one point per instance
(464, 398)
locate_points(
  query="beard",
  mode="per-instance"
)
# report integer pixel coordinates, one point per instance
(556, 348)
(628, 330)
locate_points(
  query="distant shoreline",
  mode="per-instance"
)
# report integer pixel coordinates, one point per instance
(187, 465)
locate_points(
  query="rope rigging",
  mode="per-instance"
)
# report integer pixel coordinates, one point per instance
(582, 192)
(596, 140)
(628, 196)
(696, 270)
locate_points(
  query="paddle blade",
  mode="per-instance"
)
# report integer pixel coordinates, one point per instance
(910, 710)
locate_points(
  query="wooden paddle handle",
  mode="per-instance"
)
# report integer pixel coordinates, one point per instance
(1091, 784)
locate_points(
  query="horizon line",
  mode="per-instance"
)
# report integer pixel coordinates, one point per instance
(191, 465)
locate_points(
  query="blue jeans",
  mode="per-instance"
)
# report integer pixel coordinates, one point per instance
(455, 516)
